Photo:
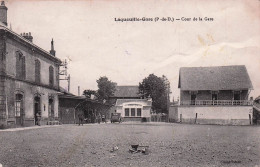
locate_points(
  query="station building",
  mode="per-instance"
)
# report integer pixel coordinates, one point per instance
(29, 78)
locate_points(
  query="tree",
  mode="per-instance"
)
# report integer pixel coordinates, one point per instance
(106, 88)
(156, 88)
(89, 92)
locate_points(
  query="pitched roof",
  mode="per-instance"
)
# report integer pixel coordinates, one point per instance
(144, 102)
(127, 91)
(5, 28)
(214, 78)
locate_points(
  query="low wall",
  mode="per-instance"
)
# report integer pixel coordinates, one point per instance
(136, 119)
(224, 115)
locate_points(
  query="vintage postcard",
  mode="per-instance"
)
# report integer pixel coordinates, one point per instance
(129, 83)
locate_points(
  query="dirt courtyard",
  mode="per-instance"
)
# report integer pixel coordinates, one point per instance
(169, 145)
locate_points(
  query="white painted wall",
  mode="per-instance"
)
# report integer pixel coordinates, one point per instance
(145, 110)
(216, 112)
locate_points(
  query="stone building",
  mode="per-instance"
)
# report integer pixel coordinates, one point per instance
(215, 95)
(29, 78)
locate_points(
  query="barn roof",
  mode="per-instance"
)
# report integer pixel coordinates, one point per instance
(127, 91)
(214, 78)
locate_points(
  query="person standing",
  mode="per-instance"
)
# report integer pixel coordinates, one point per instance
(99, 118)
(38, 119)
(81, 119)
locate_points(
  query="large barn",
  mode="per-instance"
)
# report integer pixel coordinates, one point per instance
(215, 95)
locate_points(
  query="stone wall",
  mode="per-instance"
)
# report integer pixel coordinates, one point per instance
(2, 82)
(30, 57)
(29, 92)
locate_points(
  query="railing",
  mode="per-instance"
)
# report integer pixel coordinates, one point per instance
(217, 102)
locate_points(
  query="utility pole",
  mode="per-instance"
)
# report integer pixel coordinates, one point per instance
(68, 78)
(63, 72)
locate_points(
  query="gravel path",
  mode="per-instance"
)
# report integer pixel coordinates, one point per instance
(169, 145)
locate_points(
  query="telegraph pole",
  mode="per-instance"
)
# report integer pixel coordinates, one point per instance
(64, 72)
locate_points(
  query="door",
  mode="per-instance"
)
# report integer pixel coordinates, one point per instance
(214, 98)
(51, 109)
(37, 110)
(237, 98)
(19, 111)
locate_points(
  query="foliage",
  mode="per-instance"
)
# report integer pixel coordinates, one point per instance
(156, 88)
(89, 92)
(106, 88)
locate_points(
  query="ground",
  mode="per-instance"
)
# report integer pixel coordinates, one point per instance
(169, 145)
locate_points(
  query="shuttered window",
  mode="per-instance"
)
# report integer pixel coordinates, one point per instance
(20, 66)
(37, 71)
(51, 75)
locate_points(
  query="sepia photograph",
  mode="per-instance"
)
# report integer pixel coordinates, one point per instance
(153, 83)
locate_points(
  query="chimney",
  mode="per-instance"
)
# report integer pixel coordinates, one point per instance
(28, 36)
(3, 13)
(52, 51)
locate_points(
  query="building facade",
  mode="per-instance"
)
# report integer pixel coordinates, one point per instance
(128, 102)
(215, 95)
(134, 109)
(71, 106)
(29, 78)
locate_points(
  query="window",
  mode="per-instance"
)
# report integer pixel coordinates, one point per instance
(37, 71)
(51, 76)
(126, 112)
(139, 111)
(132, 112)
(20, 65)
(18, 104)
(214, 95)
(237, 95)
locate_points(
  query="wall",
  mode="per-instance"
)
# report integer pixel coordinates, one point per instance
(28, 88)
(230, 115)
(2, 82)
(173, 114)
(29, 92)
(30, 57)
(146, 113)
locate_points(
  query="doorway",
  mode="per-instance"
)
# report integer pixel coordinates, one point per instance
(37, 108)
(19, 110)
(193, 98)
(237, 98)
(51, 109)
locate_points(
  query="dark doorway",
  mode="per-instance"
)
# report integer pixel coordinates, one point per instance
(19, 111)
(51, 109)
(37, 108)
(236, 96)
(193, 98)
(214, 97)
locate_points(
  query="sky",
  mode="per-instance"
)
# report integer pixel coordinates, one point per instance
(86, 34)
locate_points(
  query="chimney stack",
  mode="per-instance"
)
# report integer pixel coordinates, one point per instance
(3, 13)
(27, 36)
(52, 51)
